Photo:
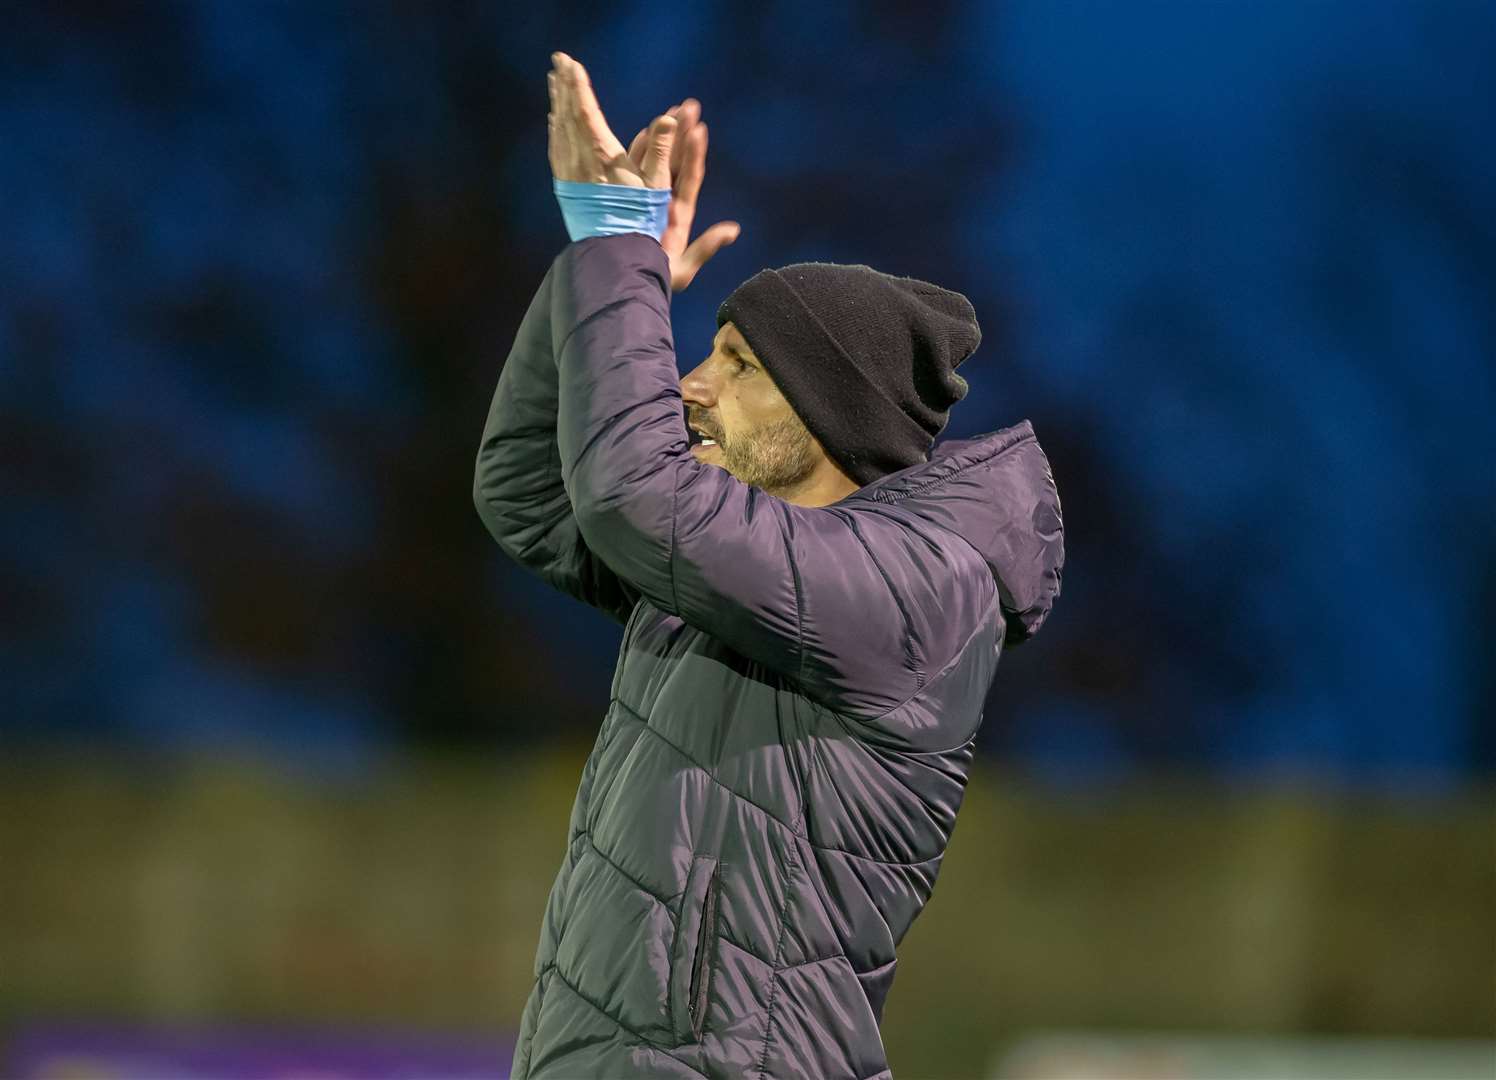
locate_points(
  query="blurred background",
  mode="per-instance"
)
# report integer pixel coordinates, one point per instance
(289, 745)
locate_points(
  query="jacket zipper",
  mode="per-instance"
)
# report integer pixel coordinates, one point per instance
(697, 1006)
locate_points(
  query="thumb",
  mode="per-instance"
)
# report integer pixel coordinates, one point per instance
(657, 154)
(700, 250)
(716, 238)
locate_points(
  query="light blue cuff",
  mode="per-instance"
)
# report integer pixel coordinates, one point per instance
(608, 209)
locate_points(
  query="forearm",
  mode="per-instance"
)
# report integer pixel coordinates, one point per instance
(621, 431)
(517, 485)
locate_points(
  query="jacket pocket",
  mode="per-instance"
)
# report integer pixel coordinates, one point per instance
(691, 959)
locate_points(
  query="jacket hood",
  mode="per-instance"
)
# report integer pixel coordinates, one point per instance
(997, 492)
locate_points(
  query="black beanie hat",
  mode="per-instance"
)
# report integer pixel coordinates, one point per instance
(867, 360)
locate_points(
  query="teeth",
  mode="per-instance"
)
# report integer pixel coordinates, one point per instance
(708, 442)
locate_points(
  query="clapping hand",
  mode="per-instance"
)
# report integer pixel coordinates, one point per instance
(669, 153)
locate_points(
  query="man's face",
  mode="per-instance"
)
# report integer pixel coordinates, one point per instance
(730, 398)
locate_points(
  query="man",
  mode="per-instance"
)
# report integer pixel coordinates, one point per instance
(813, 610)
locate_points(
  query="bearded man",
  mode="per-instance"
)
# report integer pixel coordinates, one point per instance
(814, 599)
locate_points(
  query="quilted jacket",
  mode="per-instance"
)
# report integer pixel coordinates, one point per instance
(792, 715)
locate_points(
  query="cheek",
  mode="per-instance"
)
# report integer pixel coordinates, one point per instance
(731, 410)
(752, 408)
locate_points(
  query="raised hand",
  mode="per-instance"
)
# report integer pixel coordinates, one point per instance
(687, 170)
(669, 153)
(584, 149)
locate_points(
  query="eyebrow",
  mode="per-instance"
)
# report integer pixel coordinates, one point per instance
(729, 347)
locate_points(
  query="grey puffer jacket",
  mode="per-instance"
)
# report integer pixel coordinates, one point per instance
(793, 712)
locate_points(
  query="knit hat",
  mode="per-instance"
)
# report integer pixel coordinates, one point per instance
(867, 360)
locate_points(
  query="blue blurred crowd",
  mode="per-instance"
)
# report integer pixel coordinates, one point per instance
(261, 265)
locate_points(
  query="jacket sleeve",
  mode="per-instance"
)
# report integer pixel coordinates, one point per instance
(795, 588)
(517, 486)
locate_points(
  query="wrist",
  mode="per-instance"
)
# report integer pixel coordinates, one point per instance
(602, 209)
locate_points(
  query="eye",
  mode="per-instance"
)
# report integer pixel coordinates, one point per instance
(743, 365)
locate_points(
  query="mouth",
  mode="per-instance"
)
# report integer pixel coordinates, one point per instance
(699, 439)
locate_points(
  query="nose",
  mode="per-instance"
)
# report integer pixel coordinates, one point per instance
(698, 388)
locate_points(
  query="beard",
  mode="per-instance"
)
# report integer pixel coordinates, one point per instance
(777, 457)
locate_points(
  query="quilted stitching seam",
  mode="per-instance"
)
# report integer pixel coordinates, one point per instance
(1017, 438)
(789, 557)
(663, 901)
(915, 662)
(763, 1062)
(643, 1041)
(589, 317)
(670, 558)
(522, 1051)
(763, 810)
(746, 951)
(942, 673)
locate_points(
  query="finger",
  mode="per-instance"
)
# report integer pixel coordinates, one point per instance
(693, 166)
(636, 148)
(702, 249)
(556, 80)
(566, 134)
(574, 129)
(657, 155)
(687, 114)
(712, 241)
(685, 117)
(591, 113)
(571, 118)
(717, 237)
(556, 149)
